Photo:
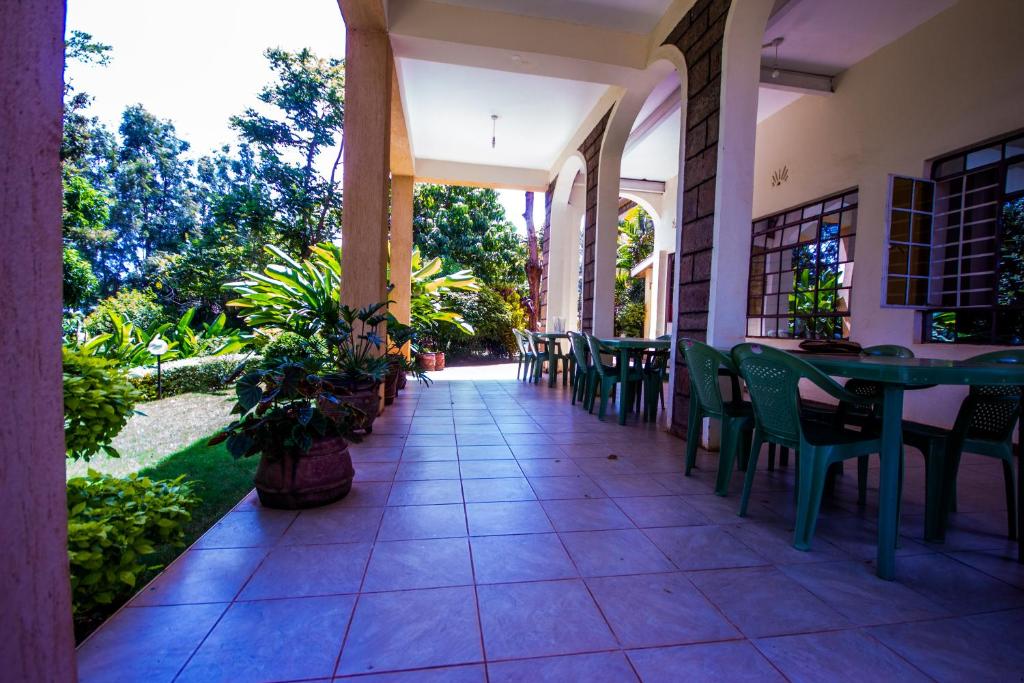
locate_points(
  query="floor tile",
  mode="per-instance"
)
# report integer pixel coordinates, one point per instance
(214, 575)
(658, 609)
(853, 589)
(375, 471)
(412, 629)
(425, 452)
(430, 563)
(428, 440)
(367, 494)
(271, 640)
(334, 524)
(423, 521)
(472, 673)
(522, 517)
(523, 557)
(838, 656)
(762, 601)
(544, 618)
(955, 586)
(247, 529)
(1000, 565)
(737, 661)
(558, 488)
(497, 490)
(703, 547)
(530, 451)
(654, 511)
(145, 643)
(485, 452)
(611, 553)
(625, 485)
(586, 515)
(430, 492)
(603, 667)
(489, 469)
(306, 570)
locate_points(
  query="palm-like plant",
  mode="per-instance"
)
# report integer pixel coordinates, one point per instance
(427, 310)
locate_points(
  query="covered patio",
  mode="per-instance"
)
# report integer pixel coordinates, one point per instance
(496, 532)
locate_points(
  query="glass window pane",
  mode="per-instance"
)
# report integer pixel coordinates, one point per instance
(919, 261)
(1015, 178)
(899, 255)
(843, 300)
(922, 230)
(902, 193)
(850, 199)
(949, 167)
(923, 196)
(899, 226)
(848, 224)
(790, 236)
(984, 157)
(1014, 147)
(833, 204)
(753, 327)
(809, 231)
(794, 217)
(812, 211)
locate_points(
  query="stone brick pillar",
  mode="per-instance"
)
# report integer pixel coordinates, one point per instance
(591, 151)
(38, 640)
(542, 318)
(699, 36)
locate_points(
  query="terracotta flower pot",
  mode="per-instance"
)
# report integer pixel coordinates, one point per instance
(439, 361)
(427, 360)
(318, 477)
(366, 400)
(402, 380)
(391, 386)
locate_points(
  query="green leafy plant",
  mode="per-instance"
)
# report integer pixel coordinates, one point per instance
(203, 373)
(98, 400)
(356, 345)
(135, 306)
(297, 296)
(428, 313)
(113, 525)
(284, 409)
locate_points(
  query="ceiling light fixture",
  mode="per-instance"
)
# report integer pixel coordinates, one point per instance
(775, 42)
(494, 130)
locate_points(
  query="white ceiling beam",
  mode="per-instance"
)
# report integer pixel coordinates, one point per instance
(481, 175)
(638, 185)
(796, 81)
(669, 106)
(454, 34)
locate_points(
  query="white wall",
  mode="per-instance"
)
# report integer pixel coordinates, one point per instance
(953, 81)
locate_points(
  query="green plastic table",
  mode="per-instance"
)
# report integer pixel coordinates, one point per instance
(625, 346)
(897, 375)
(551, 338)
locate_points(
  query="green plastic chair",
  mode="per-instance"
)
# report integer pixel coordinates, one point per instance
(773, 379)
(521, 352)
(704, 364)
(655, 375)
(583, 378)
(529, 357)
(606, 376)
(984, 425)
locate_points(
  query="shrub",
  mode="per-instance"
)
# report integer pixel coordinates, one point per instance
(113, 524)
(138, 307)
(629, 320)
(98, 400)
(204, 373)
(289, 347)
(80, 283)
(492, 319)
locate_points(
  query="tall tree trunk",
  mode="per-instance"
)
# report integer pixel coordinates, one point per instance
(534, 264)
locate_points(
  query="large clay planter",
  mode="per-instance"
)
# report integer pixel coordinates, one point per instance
(367, 400)
(318, 477)
(391, 386)
(402, 380)
(439, 361)
(427, 360)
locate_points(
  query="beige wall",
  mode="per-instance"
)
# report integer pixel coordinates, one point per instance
(955, 80)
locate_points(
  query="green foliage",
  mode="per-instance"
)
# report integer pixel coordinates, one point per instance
(80, 284)
(355, 345)
(295, 296)
(135, 306)
(430, 318)
(629, 319)
(288, 347)
(636, 239)
(114, 524)
(467, 227)
(492, 319)
(1011, 255)
(205, 373)
(284, 410)
(98, 400)
(308, 103)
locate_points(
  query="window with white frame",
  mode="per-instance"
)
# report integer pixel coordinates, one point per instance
(801, 270)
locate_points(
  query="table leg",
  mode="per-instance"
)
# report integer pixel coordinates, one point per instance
(552, 370)
(623, 384)
(889, 474)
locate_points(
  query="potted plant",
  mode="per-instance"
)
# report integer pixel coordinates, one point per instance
(360, 367)
(297, 423)
(400, 336)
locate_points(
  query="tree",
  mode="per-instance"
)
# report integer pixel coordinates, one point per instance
(308, 97)
(80, 284)
(468, 228)
(534, 265)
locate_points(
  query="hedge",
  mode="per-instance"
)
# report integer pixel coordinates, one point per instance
(204, 373)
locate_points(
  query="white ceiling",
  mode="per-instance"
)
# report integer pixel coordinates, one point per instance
(631, 16)
(656, 156)
(830, 36)
(450, 109)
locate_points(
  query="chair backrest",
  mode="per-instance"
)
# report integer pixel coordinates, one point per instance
(990, 411)
(594, 344)
(520, 341)
(702, 363)
(773, 379)
(579, 349)
(532, 342)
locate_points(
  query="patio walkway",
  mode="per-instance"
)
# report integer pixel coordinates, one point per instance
(495, 532)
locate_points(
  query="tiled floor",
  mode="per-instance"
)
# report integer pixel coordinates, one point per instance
(495, 532)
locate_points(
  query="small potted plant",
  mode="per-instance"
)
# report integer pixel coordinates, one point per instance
(297, 423)
(360, 366)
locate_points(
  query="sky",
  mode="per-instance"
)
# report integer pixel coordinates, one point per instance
(198, 62)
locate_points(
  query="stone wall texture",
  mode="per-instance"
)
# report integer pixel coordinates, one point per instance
(591, 151)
